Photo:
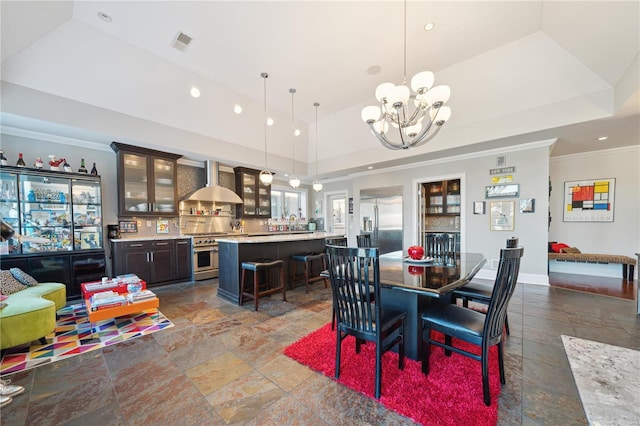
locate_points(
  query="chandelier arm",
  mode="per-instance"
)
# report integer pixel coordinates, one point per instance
(423, 134)
(384, 140)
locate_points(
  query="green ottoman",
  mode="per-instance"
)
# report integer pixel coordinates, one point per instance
(30, 314)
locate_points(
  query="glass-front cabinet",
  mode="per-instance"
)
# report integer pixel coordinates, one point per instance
(50, 211)
(52, 225)
(146, 181)
(256, 197)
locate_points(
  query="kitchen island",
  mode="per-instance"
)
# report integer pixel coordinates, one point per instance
(235, 250)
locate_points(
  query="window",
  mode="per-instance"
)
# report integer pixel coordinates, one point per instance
(285, 202)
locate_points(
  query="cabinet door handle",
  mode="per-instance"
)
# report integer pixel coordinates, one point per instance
(182, 242)
(135, 245)
(147, 257)
(162, 244)
(152, 256)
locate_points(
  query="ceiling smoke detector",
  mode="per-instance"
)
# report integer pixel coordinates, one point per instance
(181, 41)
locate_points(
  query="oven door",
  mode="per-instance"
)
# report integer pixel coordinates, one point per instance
(205, 262)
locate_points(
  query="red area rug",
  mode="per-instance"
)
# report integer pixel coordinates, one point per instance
(450, 395)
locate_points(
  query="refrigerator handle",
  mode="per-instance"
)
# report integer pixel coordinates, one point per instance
(375, 221)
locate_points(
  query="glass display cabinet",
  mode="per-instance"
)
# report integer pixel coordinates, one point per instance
(255, 195)
(56, 221)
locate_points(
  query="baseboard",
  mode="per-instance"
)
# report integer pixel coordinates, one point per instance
(524, 278)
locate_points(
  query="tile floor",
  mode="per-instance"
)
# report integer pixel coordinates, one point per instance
(223, 364)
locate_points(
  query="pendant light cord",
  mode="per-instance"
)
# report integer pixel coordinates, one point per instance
(264, 75)
(405, 43)
(293, 130)
(316, 104)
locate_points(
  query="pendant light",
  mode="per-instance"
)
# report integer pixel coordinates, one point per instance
(265, 176)
(293, 180)
(317, 185)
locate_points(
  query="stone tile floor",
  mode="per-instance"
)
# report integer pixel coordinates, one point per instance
(223, 364)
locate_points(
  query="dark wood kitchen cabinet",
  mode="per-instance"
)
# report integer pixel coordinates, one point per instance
(184, 259)
(146, 181)
(155, 261)
(256, 197)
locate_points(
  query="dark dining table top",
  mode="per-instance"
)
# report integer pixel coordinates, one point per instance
(429, 278)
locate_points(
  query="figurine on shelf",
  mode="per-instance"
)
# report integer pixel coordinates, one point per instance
(55, 164)
(66, 166)
(38, 163)
(3, 159)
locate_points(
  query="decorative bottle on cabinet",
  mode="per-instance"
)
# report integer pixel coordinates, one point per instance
(82, 168)
(20, 162)
(94, 171)
(3, 159)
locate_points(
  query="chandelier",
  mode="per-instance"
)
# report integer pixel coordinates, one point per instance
(265, 176)
(317, 185)
(408, 118)
(293, 180)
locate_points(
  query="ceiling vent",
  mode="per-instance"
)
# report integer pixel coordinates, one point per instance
(181, 41)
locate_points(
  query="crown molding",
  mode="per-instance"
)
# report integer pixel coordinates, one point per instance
(47, 137)
(597, 153)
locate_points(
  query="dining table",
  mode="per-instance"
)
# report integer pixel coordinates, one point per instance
(413, 286)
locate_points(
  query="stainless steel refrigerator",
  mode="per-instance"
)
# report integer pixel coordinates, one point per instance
(381, 217)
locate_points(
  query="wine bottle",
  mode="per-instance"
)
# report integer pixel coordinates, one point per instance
(3, 159)
(82, 168)
(94, 171)
(66, 166)
(20, 162)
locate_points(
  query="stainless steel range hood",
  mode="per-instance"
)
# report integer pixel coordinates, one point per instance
(213, 191)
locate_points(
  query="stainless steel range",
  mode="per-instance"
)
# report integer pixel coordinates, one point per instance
(205, 256)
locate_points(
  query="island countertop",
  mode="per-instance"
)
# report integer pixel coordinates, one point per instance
(276, 238)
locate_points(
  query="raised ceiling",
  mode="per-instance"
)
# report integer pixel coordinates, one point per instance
(519, 72)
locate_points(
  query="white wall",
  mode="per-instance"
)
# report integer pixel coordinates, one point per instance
(622, 236)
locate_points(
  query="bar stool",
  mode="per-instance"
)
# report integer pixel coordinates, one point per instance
(307, 259)
(265, 265)
(363, 240)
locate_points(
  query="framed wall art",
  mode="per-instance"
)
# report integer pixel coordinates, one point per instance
(502, 191)
(527, 205)
(478, 207)
(589, 200)
(501, 215)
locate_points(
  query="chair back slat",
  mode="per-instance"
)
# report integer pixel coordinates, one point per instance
(336, 241)
(442, 247)
(364, 240)
(353, 272)
(503, 289)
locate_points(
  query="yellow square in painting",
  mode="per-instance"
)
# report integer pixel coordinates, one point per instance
(601, 187)
(569, 207)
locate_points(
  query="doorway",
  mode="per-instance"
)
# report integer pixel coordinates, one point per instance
(336, 213)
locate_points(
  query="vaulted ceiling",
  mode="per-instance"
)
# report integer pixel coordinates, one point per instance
(519, 71)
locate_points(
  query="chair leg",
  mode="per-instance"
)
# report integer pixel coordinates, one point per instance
(333, 318)
(506, 325)
(242, 289)
(401, 348)
(324, 268)
(465, 302)
(306, 276)
(501, 363)
(426, 353)
(338, 345)
(256, 287)
(358, 344)
(447, 341)
(378, 368)
(282, 283)
(485, 375)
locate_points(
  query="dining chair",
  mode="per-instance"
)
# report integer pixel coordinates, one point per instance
(472, 326)
(363, 240)
(353, 271)
(442, 247)
(480, 292)
(336, 241)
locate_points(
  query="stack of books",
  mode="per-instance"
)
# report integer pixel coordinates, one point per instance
(142, 295)
(107, 299)
(127, 279)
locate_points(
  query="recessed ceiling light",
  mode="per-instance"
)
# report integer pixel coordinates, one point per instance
(195, 92)
(269, 121)
(370, 167)
(237, 109)
(429, 26)
(104, 17)
(296, 132)
(603, 138)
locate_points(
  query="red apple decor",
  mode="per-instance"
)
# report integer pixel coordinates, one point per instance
(416, 270)
(416, 252)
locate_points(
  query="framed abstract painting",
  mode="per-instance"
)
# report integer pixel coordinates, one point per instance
(589, 200)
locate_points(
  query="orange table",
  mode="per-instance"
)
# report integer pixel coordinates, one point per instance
(118, 311)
